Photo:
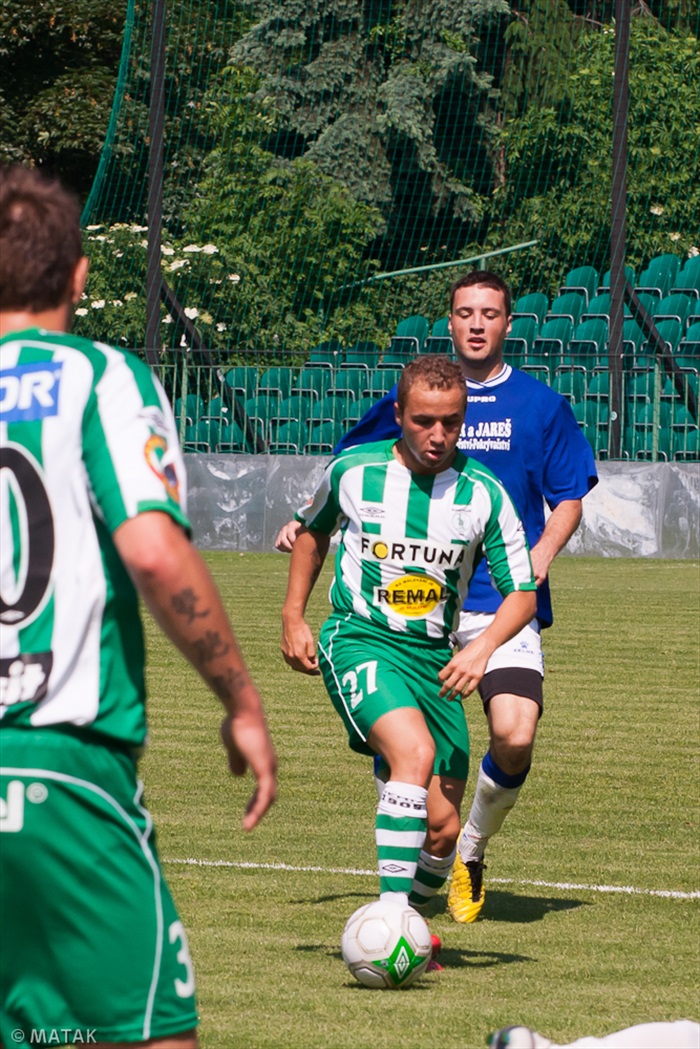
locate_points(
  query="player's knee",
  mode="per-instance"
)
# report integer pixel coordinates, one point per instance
(513, 754)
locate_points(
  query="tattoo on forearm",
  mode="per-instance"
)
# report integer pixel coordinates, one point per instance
(185, 604)
(227, 685)
(209, 647)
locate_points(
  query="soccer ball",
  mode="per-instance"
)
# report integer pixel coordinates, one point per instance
(386, 944)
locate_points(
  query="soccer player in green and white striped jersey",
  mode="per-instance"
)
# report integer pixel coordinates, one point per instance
(92, 510)
(415, 517)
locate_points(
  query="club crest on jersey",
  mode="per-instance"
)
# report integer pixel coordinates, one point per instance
(29, 392)
(462, 521)
(413, 596)
(159, 459)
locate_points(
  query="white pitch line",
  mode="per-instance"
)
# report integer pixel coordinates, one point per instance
(628, 890)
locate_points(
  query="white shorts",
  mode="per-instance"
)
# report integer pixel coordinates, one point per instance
(523, 651)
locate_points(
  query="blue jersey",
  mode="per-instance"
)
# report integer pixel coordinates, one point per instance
(527, 435)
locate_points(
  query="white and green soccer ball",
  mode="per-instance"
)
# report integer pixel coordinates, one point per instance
(386, 945)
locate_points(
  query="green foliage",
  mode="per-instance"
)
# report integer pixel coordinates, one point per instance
(58, 63)
(559, 167)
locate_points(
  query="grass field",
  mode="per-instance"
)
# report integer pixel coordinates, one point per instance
(588, 925)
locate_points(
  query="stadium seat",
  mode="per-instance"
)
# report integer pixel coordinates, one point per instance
(410, 335)
(217, 409)
(328, 354)
(605, 279)
(288, 438)
(192, 408)
(260, 410)
(276, 380)
(439, 340)
(689, 346)
(361, 354)
(659, 275)
(323, 438)
(587, 345)
(397, 358)
(688, 280)
(673, 307)
(383, 379)
(670, 331)
(297, 406)
(547, 348)
(570, 382)
(583, 279)
(519, 340)
(232, 439)
(354, 381)
(685, 443)
(643, 442)
(314, 380)
(243, 380)
(535, 304)
(570, 305)
(326, 410)
(599, 385)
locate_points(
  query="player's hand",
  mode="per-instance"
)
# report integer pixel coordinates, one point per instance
(248, 745)
(286, 537)
(298, 646)
(464, 671)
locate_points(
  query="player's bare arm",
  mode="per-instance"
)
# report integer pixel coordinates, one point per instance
(298, 645)
(175, 584)
(287, 536)
(561, 525)
(466, 669)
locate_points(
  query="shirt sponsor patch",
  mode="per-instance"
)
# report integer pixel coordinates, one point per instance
(29, 392)
(412, 596)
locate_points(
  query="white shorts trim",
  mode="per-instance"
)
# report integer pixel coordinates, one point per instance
(524, 651)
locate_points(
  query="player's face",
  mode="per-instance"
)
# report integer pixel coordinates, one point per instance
(479, 325)
(431, 422)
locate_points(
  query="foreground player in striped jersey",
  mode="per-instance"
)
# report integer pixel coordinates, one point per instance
(92, 510)
(416, 516)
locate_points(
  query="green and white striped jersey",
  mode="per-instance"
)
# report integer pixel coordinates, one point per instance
(410, 542)
(87, 441)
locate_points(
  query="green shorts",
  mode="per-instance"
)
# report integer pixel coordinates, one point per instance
(368, 674)
(91, 942)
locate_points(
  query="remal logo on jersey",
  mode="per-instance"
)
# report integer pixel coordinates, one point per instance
(29, 392)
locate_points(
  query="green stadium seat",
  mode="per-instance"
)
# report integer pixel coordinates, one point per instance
(570, 382)
(332, 408)
(519, 340)
(673, 307)
(548, 347)
(659, 275)
(535, 305)
(643, 444)
(362, 354)
(323, 438)
(243, 380)
(232, 439)
(605, 279)
(383, 379)
(297, 406)
(277, 379)
(260, 410)
(588, 343)
(218, 409)
(314, 380)
(328, 354)
(353, 381)
(570, 305)
(397, 358)
(685, 443)
(192, 407)
(688, 280)
(670, 331)
(410, 335)
(583, 279)
(289, 437)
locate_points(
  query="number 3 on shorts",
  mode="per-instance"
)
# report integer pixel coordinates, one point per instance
(352, 680)
(183, 988)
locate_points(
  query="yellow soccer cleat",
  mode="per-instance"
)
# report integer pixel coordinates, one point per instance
(467, 893)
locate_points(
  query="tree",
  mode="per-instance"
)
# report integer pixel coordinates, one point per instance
(58, 72)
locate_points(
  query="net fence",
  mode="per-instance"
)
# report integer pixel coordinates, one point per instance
(331, 166)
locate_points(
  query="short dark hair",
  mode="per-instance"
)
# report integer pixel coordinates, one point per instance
(486, 279)
(433, 370)
(40, 240)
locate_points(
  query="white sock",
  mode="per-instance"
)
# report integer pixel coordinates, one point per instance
(491, 805)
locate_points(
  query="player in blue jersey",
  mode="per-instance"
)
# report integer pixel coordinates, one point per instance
(528, 436)
(93, 513)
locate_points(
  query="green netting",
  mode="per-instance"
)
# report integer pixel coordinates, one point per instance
(314, 149)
